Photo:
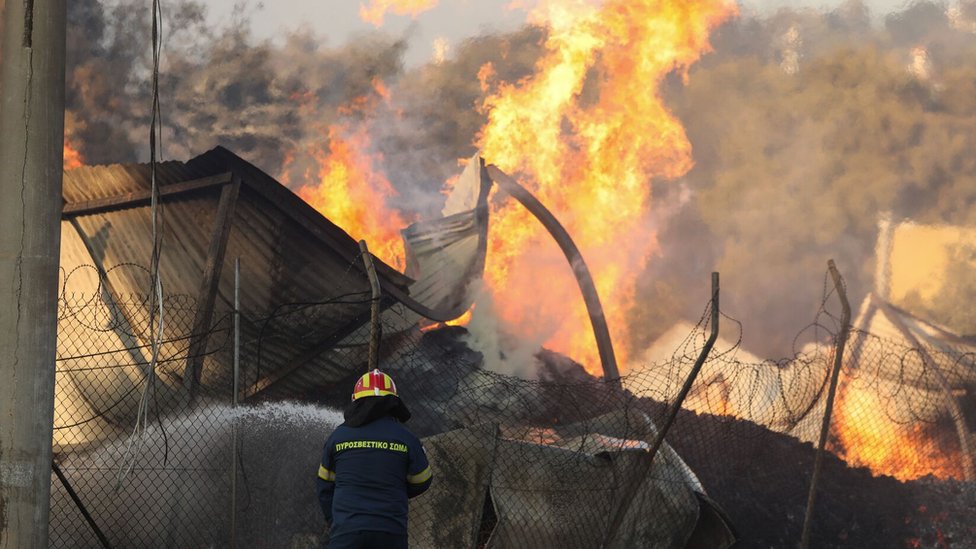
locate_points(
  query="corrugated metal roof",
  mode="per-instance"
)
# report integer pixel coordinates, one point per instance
(444, 255)
(304, 291)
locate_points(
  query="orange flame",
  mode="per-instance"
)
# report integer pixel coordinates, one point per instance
(587, 134)
(353, 195)
(375, 10)
(462, 320)
(72, 158)
(346, 186)
(867, 437)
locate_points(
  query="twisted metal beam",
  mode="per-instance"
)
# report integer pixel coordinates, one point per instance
(593, 307)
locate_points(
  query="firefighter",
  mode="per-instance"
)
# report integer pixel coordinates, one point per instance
(371, 465)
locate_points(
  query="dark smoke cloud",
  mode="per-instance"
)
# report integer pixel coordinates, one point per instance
(805, 126)
(273, 103)
(264, 101)
(107, 96)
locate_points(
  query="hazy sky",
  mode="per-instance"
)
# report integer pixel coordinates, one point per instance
(452, 20)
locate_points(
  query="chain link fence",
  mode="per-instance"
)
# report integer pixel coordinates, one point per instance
(560, 460)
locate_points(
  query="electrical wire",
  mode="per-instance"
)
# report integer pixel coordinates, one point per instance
(156, 310)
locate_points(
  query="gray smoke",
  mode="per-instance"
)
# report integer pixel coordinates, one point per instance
(806, 126)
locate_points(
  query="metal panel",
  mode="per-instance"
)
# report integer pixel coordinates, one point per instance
(290, 254)
(302, 277)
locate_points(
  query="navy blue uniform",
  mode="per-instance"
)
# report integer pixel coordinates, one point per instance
(366, 476)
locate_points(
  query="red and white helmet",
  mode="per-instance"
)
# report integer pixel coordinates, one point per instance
(374, 383)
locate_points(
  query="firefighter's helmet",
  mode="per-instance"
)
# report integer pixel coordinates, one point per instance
(374, 383)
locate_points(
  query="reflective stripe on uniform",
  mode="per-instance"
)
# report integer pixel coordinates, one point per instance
(326, 474)
(420, 477)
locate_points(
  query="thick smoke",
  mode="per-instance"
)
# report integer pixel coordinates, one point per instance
(806, 125)
(435, 114)
(107, 96)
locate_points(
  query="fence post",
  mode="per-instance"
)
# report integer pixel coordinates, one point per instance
(631, 490)
(680, 399)
(374, 307)
(834, 375)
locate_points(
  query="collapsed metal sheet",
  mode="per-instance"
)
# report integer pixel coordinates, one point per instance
(952, 354)
(449, 514)
(670, 508)
(289, 254)
(763, 392)
(444, 255)
(565, 492)
(546, 496)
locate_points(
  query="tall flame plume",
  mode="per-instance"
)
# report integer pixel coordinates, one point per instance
(588, 133)
(348, 186)
(352, 193)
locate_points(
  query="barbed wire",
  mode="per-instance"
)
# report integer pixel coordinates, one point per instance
(740, 436)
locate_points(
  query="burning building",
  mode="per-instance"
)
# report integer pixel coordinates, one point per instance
(905, 401)
(533, 453)
(125, 358)
(928, 392)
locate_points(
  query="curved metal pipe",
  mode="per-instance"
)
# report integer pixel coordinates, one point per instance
(593, 307)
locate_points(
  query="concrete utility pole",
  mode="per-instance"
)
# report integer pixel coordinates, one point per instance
(32, 42)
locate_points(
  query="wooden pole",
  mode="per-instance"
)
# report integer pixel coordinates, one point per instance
(209, 287)
(32, 34)
(234, 424)
(692, 375)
